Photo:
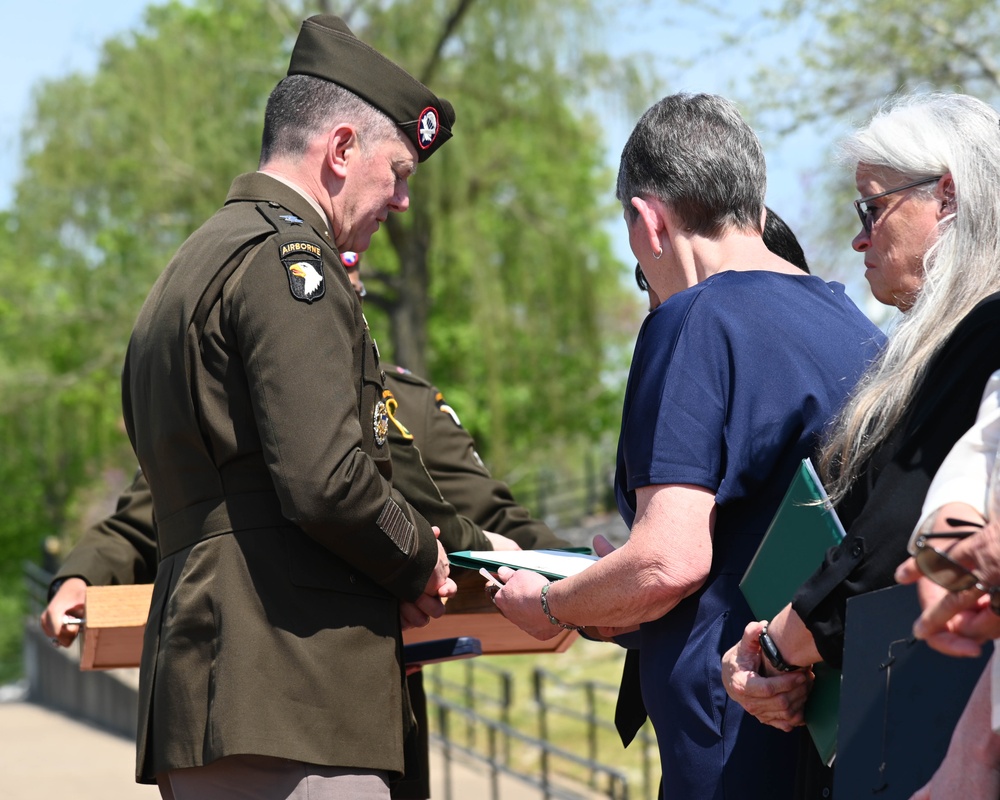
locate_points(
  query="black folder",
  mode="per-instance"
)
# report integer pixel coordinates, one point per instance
(899, 700)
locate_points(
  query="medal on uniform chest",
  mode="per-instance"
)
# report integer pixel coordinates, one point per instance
(380, 423)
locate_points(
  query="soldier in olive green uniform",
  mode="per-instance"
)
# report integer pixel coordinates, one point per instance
(426, 441)
(252, 396)
(122, 548)
(448, 453)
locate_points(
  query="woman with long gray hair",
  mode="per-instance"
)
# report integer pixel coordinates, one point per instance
(927, 168)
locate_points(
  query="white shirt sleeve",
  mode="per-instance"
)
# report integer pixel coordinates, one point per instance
(964, 476)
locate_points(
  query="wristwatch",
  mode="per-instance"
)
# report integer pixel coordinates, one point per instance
(772, 654)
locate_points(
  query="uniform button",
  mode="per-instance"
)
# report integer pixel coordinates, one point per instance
(382, 372)
(857, 550)
(354, 578)
(272, 204)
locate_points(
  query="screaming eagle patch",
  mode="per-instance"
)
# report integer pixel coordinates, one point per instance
(304, 266)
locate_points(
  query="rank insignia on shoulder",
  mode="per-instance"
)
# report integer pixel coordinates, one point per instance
(380, 423)
(304, 266)
(291, 219)
(444, 408)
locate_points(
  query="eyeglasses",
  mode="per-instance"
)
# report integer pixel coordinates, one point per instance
(867, 215)
(941, 568)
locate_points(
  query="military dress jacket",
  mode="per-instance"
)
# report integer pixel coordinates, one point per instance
(252, 395)
(121, 549)
(449, 455)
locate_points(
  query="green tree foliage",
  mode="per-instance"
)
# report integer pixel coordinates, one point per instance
(848, 57)
(500, 281)
(501, 275)
(853, 55)
(119, 167)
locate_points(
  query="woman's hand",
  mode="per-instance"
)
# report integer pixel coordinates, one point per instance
(779, 700)
(520, 601)
(957, 623)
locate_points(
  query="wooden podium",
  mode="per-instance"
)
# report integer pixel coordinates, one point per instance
(116, 618)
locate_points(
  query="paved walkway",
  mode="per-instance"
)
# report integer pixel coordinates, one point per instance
(46, 754)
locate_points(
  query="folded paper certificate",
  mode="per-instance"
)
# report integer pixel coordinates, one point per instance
(553, 564)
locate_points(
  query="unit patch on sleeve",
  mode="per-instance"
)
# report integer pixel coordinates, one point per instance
(304, 265)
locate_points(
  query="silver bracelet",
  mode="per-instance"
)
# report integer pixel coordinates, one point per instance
(545, 608)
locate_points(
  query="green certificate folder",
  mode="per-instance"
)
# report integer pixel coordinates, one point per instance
(802, 530)
(553, 564)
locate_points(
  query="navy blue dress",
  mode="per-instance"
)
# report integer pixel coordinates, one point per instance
(731, 385)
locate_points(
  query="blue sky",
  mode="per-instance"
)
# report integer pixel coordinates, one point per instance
(64, 36)
(47, 41)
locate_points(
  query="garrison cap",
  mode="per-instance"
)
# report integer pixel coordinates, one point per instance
(326, 48)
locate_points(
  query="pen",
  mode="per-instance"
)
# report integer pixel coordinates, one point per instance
(490, 577)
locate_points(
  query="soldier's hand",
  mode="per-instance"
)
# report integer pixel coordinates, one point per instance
(410, 616)
(68, 601)
(439, 584)
(501, 542)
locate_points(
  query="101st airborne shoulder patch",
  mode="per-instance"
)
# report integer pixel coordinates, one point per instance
(304, 266)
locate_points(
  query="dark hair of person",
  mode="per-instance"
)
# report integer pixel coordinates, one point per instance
(640, 278)
(780, 240)
(302, 107)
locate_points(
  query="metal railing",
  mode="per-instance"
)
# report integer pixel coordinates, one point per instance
(549, 688)
(486, 690)
(544, 780)
(564, 500)
(499, 697)
(36, 585)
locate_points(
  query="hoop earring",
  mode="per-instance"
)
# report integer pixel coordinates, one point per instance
(657, 255)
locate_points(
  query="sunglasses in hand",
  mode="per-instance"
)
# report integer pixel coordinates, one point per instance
(945, 571)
